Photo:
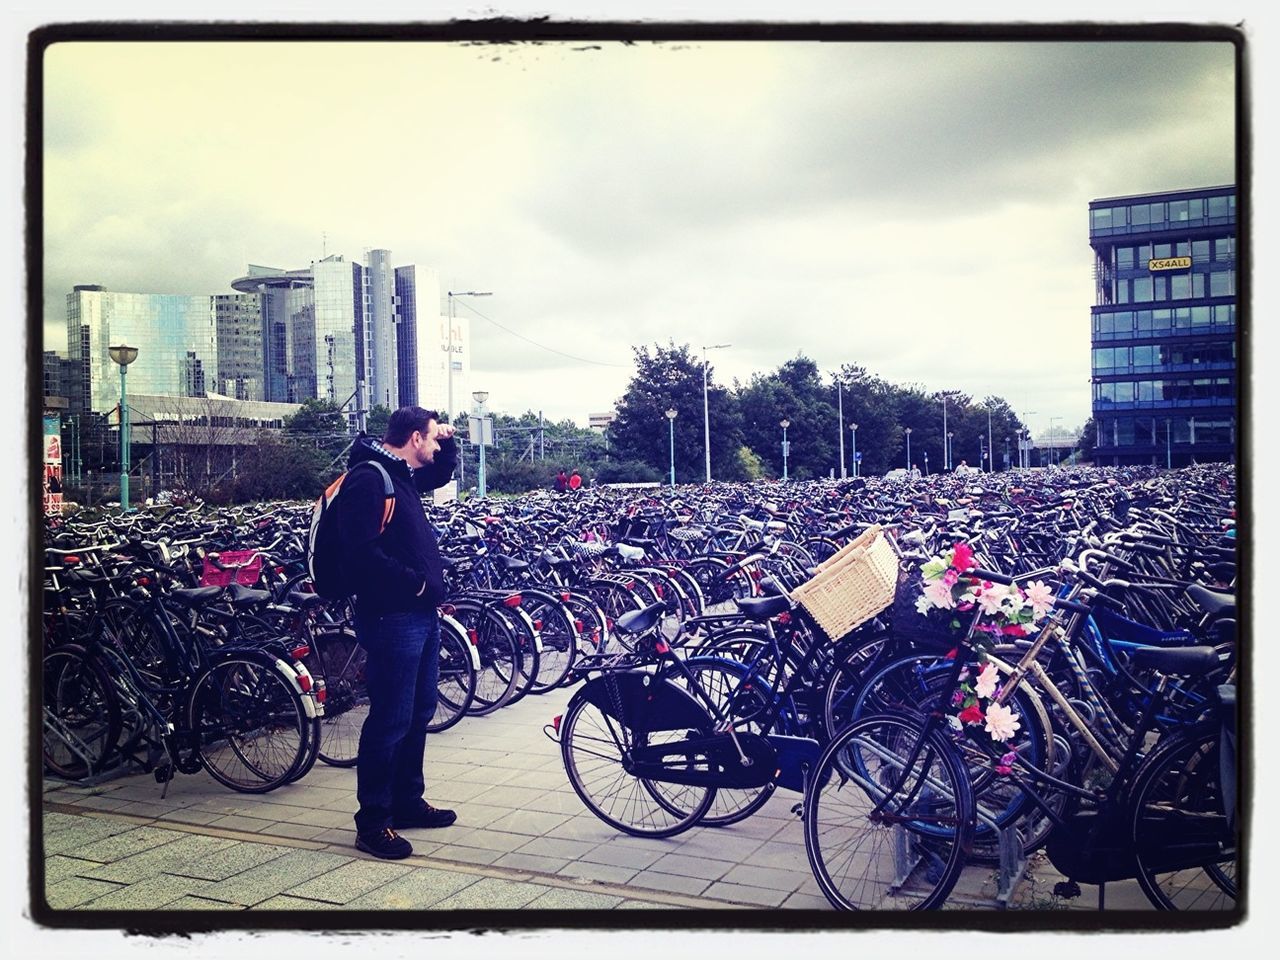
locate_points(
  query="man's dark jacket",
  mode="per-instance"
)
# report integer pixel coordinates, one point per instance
(390, 569)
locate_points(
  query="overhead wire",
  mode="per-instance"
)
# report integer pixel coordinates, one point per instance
(541, 346)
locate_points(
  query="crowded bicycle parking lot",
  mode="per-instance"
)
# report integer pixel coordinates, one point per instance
(912, 679)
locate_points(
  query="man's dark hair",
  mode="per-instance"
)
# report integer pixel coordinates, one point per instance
(404, 421)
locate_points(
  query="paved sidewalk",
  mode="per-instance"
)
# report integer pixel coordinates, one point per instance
(523, 840)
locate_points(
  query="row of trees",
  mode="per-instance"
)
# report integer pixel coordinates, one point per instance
(745, 431)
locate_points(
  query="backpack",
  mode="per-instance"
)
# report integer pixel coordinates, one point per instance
(327, 556)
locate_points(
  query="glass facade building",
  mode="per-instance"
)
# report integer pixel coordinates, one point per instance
(176, 337)
(1164, 343)
(238, 322)
(406, 323)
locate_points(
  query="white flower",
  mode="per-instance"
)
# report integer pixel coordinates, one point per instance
(991, 598)
(923, 604)
(954, 722)
(940, 595)
(1002, 722)
(987, 681)
(1040, 596)
(1016, 602)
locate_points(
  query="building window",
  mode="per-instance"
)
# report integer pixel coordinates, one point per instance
(1180, 286)
(1124, 258)
(1143, 289)
(1222, 283)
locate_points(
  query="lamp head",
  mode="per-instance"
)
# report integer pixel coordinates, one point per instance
(672, 413)
(480, 396)
(784, 424)
(123, 354)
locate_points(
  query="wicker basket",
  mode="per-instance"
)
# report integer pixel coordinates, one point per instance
(852, 585)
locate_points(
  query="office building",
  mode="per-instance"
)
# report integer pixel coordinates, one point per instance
(1164, 340)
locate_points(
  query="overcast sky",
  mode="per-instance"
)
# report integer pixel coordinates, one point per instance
(918, 208)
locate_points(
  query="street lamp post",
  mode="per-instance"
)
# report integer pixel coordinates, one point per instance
(671, 433)
(840, 414)
(481, 397)
(947, 444)
(124, 355)
(1168, 443)
(1006, 453)
(706, 408)
(784, 423)
(907, 431)
(853, 453)
(452, 315)
(926, 463)
(982, 451)
(1053, 440)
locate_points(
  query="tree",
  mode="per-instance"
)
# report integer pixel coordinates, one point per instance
(317, 418)
(375, 421)
(671, 378)
(795, 393)
(1088, 440)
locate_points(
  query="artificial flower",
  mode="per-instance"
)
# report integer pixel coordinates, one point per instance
(939, 595)
(951, 577)
(923, 604)
(973, 714)
(1040, 596)
(991, 600)
(987, 680)
(1002, 722)
(962, 557)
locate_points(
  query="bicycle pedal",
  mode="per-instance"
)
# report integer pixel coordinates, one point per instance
(1066, 889)
(164, 773)
(798, 810)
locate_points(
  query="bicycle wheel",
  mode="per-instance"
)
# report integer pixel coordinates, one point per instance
(722, 682)
(614, 600)
(1184, 846)
(888, 816)
(495, 642)
(250, 723)
(456, 687)
(559, 640)
(81, 719)
(339, 660)
(596, 749)
(530, 657)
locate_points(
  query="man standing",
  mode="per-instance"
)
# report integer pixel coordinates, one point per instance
(399, 583)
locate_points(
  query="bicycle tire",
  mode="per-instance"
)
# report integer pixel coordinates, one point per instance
(81, 718)
(337, 658)
(878, 840)
(593, 745)
(456, 687)
(1176, 814)
(249, 721)
(498, 648)
(559, 639)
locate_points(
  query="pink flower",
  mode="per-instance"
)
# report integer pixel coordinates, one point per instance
(962, 557)
(1040, 596)
(1004, 770)
(1009, 759)
(987, 679)
(951, 577)
(1002, 722)
(940, 594)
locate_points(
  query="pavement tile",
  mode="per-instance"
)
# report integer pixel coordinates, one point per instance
(466, 854)
(149, 894)
(528, 822)
(74, 891)
(557, 847)
(806, 901)
(584, 827)
(275, 876)
(284, 902)
(126, 844)
(423, 887)
(485, 839)
(744, 894)
(53, 821)
(717, 845)
(310, 817)
(768, 877)
(491, 893)
(669, 882)
(295, 831)
(540, 780)
(531, 861)
(624, 855)
(245, 824)
(235, 859)
(95, 802)
(58, 868)
(191, 815)
(557, 898)
(603, 872)
(474, 814)
(483, 773)
(686, 866)
(645, 905)
(557, 801)
(349, 881)
(456, 791)
(511, 797)
(196, 903)
(166, 858)
(74, 838)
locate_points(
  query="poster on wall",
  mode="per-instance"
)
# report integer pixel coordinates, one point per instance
(52, 465)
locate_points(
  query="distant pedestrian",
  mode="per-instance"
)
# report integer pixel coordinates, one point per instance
(575, 480)
(562, 481)
(963, 467)
(915, 472)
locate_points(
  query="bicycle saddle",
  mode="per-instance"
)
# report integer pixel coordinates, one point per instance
(1179, 661)
(510, 564)
(638, 621)
(242, 596)
(1211, 601)
(195, 596)
(763, 609)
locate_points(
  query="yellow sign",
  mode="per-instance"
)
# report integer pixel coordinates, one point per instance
(1170, 263)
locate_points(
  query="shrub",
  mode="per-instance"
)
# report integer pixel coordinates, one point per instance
(626, 471)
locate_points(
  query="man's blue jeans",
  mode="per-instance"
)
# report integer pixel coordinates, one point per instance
(402, 672)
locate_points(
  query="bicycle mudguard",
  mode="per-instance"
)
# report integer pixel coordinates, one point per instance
(796, 755)
(640, 704)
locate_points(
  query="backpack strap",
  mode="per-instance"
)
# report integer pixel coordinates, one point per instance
(388, 492)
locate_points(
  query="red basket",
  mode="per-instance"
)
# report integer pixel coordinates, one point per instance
(245, 576)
